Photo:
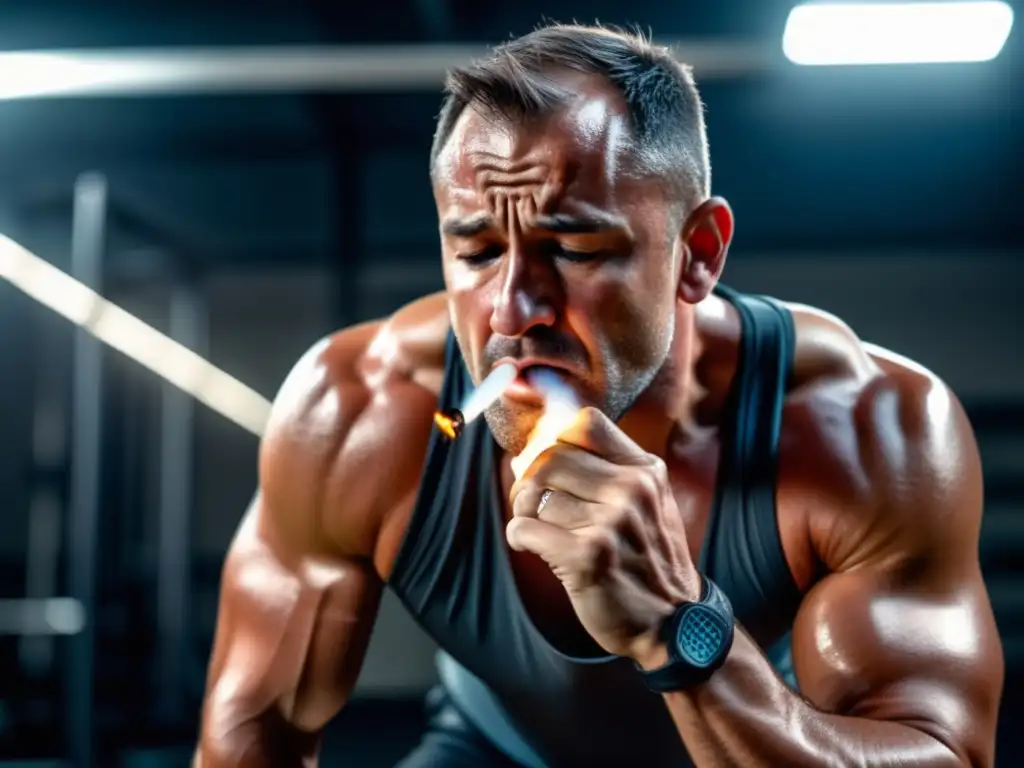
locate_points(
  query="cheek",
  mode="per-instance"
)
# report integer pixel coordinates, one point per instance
(631, 320)
(459, 280)
(469, 310)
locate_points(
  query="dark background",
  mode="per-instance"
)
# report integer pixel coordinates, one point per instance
(889, 195)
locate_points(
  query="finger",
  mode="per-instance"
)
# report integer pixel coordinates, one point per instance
(570, 512)
(524, 496)
(551, 543)
(567, 511)
(654, 565)
(638, 549)
(570, 469)
(579, 560)
(593, 431)
(622, 543)
(593, 478)
(526, 501)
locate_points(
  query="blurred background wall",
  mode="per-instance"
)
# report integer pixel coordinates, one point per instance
(267, 217)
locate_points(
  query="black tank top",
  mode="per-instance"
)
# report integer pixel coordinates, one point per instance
(453, 573)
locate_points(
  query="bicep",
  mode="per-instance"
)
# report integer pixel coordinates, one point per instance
(888, 646)
(291, 632)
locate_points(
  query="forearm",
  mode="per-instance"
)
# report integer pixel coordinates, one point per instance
(259, 744)
(252, 758)
(746, 716)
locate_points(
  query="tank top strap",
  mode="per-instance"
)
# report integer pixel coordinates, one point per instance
(742, 549)
(428, 535)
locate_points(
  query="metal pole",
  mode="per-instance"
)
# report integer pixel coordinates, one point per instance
(46, 531)
(187, 323)
(87, 255)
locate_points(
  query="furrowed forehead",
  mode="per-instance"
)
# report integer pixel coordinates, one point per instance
(590, 130)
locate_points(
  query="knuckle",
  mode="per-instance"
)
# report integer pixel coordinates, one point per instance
(613, 516)
(597, 556)
(628, 521)
(548, 461)
(514, 529)
(645, 487)
(658, 471)
(591, 420)
(601, 545)
(526, 502)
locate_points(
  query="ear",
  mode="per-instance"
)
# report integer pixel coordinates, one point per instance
(706, 236)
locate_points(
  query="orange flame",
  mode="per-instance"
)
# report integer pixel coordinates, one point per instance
(446, 424)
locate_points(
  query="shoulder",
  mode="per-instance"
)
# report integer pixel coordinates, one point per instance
(878, 451)
(349, 427)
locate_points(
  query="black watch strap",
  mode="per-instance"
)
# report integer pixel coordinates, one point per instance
(698, 637)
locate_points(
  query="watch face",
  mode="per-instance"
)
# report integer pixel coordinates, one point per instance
(702, 633)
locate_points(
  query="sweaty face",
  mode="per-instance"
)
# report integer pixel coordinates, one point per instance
(556, 253)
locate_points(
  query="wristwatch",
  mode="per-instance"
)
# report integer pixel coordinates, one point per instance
(698, 637)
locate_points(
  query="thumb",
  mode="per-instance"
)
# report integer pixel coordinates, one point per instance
(594, 432)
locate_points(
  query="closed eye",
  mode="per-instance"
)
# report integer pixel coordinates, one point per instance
(578, 256)
(482, 257)
(487, 255)
(568, 254)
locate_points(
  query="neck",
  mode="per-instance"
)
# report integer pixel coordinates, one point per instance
(669, 405)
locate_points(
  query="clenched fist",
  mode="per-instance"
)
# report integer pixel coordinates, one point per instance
(601, 513)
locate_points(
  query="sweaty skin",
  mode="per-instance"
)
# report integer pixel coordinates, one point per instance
(879, 496)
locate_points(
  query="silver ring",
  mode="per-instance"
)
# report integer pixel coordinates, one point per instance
(544, 497)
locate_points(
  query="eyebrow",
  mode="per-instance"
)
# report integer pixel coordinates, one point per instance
(469, 226)
(557, 223)
(565, 224)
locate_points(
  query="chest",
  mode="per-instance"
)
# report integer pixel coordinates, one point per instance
(457, 545)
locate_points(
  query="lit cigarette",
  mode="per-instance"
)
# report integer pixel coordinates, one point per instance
(561, 408)
(453, 421)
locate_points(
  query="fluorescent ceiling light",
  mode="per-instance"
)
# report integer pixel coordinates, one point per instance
(109, 323)
(820, 34)
(291, 69)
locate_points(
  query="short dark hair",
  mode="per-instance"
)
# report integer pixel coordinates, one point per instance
(661, 96)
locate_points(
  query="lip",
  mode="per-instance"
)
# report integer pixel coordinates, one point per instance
(522, 363)
(520, 389)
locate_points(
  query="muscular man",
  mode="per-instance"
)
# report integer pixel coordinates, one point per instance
(730, 444)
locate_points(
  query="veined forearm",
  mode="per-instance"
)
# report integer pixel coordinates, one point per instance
(259, 745)
(252, 758)
(746, 717)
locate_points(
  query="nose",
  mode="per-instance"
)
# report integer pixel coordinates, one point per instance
(526, 297)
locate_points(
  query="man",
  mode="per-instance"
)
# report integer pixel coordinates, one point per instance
(745, 476)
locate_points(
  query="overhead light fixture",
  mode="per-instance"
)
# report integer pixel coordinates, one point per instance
(823, 34)
(91, 72)
(141, 342)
